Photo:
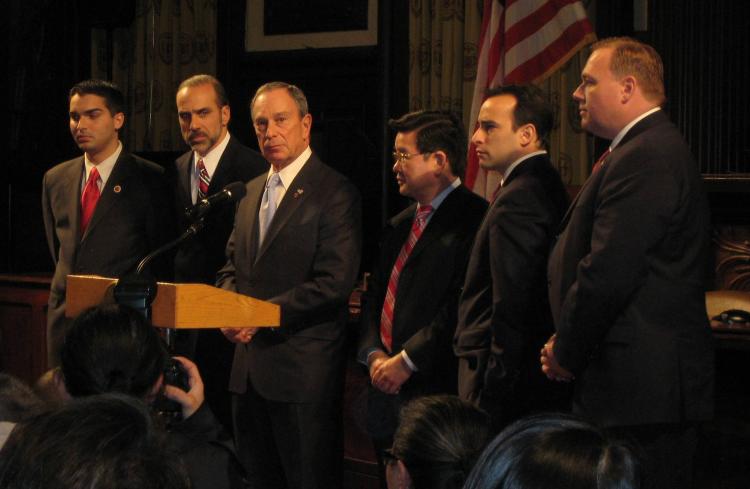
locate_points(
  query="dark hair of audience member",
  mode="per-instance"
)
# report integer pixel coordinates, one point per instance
(556, 452)
(438, 440)
(104, 441)
(17, 400)
(112, 348)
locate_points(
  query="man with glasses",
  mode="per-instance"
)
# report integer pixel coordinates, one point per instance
(409, 310)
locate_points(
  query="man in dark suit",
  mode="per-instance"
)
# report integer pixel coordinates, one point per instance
(627, 274)
(216, 160)
(103, 211)
(296, 243)
(409, 310)
(504, 316)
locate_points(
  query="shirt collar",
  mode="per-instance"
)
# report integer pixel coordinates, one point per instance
(518, 162)
(439, 198)
(625, 129)
(105, 167)
(289, 172)
(211, 160)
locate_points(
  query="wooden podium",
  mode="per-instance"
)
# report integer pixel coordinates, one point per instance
(179, 306)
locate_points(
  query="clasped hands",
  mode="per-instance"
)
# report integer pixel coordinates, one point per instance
(239, 335)
(550, 367)
(388, 374)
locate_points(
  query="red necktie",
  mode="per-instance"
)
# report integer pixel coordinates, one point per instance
(203, 180)
(600, 161)
(386, 317)
(89, 198)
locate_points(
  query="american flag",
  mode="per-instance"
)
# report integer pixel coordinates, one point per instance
(522, 41)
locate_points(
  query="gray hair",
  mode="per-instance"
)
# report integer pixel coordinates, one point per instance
(293, 90)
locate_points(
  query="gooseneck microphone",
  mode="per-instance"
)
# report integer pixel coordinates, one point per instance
(231, 193)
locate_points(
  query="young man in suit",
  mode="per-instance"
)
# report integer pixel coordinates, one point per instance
(504, 315)
(627, 274)
(216, 159)
(103, 211)
(296, 243)
(409, 313)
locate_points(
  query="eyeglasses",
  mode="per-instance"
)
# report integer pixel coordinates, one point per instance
(387, 456)
(399, 157)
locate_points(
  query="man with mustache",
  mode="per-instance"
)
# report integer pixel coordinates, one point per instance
(216, 159)
(628, 273)
(103, 211)
(503, 315)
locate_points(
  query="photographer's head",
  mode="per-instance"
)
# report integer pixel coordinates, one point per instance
(99, 441)
(112, 348)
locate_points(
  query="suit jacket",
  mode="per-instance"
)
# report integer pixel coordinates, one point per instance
(307, 264)
(133, 217)
(627, 278)
(504, 317)
(199, 258)
(424, 317)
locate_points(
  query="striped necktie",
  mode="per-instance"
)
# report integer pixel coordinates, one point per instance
(386, 317)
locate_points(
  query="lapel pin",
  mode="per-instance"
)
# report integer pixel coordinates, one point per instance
(298, 193)
(117, 189)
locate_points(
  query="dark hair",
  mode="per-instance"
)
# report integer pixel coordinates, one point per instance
(555, 451)
(293, 90)
(532, 108)
(17, 400)
(100, 441)
(437, 130)
(438, 440)
(112, 348)
(111, 93)
(198, 80)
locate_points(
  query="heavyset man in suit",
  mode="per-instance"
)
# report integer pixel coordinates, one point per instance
(504, 316)
(296, 243)
(216, 159)
(627, 274)
(103, 211)
(409, 310)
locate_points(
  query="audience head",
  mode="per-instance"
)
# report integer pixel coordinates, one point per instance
(17, 400)
(112, 348)
(436, 443)
(514, 121)
(203, 112)
(556, 452)
(282, 122)
(101, 441)
(622, 79)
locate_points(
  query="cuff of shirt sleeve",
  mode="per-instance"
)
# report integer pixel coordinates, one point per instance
(408, 361)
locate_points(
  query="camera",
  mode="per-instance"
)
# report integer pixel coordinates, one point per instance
(176, 375)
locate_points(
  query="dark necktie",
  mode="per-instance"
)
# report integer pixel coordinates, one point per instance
(386, 317)
(600, 161)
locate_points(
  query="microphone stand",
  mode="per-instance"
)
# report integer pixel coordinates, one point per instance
(138, 290)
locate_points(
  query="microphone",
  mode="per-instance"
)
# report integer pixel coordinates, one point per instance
(231, 193)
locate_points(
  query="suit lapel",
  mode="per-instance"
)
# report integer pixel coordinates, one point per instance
(184, 171)
(73, 188)
(298, 192)
(221, 177)
(436, 227)
(117, 184)
(253, 197)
